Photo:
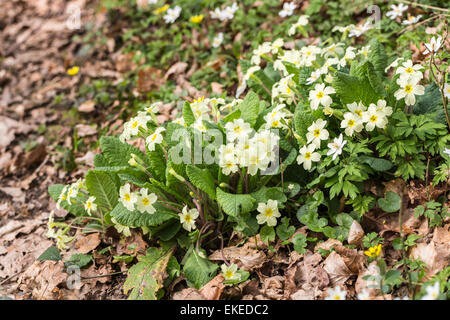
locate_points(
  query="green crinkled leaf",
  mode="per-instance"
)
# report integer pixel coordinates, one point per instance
(146, 277)
(299, 242)
(264, 194)
(302, 121)
(391, 202)
(234, 204)
(118, 153)
(78, 259)
(430, 103)
(197, 268)
(351, 89)
(157, 163)
(188, 115)
(52, 254)
(377, 56)
(250, 108)
(377, 163)
(284, 231)
(246, 223)
(103, 188)
(267, 234)
(138, 219)
(202, 179)
(77, 210)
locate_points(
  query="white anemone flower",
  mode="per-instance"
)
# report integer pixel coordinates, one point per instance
(336, 294)
(412, 20)
(433, 46)
(172, 14)
(336, 146)
(447, 90)
(397, 11)
(217, 41)
(432, 292)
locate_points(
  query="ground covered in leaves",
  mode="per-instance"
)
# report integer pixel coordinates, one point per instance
(48, 135)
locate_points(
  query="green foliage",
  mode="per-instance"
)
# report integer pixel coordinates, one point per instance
(145, 279)
(51, 253)
(391, 202)
(197, 268)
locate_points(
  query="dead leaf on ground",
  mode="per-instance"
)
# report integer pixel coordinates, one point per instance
(435, 255)
(356, 234)
(88, 243)
(42, 279)
(84, 130)
(188, 294)
(361, 284)
(273, 287)
(177, 68)
(213, 289)
(150, 79)
(245, 257)
(8, 129)
(337, 270)
(87, 106)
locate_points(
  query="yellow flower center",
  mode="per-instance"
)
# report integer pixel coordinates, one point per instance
(134, 125)
(188, 218)
(229, 165)
(237, 129)
(154, 136)
(320, 95)
(127, 197)
(373, 118)
(408, 88)
(351, 123)
(275, 124)
(145, 201)
(409, 70)
(308, 155)
(336, 297)
(89, 204)
(316, 133)
(229, 274)
(359, 112)
(268, 212)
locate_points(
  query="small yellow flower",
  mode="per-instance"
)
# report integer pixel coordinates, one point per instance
(161, 10)
(374, 251)
(73, 71)
(196, 19)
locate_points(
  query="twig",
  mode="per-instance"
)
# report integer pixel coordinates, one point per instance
(104, 275)
(415, 4)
